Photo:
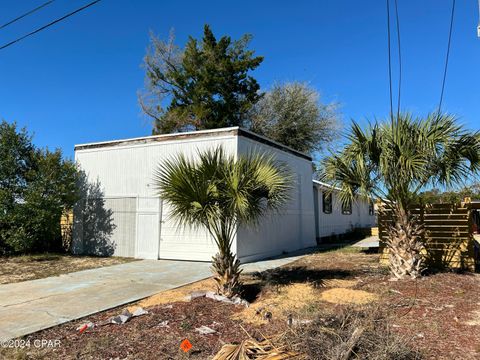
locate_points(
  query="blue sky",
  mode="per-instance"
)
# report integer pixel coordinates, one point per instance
(77, 81)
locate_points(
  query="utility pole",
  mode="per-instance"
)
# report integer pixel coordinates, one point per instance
(478, 27)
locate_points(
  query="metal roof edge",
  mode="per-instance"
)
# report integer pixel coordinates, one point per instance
(192, 134)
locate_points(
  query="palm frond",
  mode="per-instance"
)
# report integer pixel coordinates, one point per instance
(403, 157)
(217, 191)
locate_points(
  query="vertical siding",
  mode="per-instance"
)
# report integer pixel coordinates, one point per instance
(294, 227)
(337, 223)
(105, 226)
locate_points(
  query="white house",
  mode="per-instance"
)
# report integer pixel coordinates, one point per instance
(334, 218)
(125, 217)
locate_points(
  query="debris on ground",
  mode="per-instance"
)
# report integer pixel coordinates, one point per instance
(205, 330)
(252, 350)
(127, 315)
(84, 327)
(164, 324)
(120, 319)
(348, 296)
(291, 321)
(235, 300)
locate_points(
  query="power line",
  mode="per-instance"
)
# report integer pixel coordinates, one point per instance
(48, 25)
(399, 60)
(26, 14)
(446, 59)
(389, 60)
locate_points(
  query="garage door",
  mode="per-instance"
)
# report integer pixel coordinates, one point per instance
(184, 243)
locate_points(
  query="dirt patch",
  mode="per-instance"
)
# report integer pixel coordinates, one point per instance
(348, 296)
(29, 267)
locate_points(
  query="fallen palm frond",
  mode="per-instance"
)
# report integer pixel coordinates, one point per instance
(253, 350)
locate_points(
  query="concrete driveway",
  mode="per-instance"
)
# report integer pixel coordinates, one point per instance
(30, 306)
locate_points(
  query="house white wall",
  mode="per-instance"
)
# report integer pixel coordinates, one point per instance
(294, 226)
(144, 229)
(337, 223)
(127, 170)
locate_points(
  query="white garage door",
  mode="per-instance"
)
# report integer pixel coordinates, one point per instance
(184, 243)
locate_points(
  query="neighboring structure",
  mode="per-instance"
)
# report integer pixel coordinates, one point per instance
(332, 218)
(122, 214)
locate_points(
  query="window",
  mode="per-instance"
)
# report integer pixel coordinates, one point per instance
(371, 208)
(327, 202)
(347, 208)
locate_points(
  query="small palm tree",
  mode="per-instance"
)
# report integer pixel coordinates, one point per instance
(219, 193)
(395, 160)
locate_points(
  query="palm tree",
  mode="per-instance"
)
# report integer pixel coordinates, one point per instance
(395, 160)
(219, 193)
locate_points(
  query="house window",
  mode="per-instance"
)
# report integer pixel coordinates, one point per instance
(327, 202)
(371, 208)
(347, 208)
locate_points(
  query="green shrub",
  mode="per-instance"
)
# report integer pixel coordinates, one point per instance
(36, 186)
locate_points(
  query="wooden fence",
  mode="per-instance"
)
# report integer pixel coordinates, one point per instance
(66, 224)
(448, 235)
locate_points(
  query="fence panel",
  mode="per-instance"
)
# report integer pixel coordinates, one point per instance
(448, 235)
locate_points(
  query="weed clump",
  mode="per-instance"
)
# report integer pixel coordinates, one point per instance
(350, 334)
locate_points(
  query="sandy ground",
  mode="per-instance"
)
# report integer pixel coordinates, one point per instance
(29, 267)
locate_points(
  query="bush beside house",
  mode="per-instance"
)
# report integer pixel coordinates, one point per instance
(36, 187)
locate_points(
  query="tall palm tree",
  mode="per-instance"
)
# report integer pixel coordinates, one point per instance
(395, 160)
(218, 192)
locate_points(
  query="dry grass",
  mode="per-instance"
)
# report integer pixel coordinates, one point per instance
(348, 296)
(350, 333)
(278, 304)
(29, 267)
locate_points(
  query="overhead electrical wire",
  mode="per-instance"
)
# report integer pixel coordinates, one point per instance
(399, 60)
(447, 57)
(26, 14)
(389, 61)
(49, 24)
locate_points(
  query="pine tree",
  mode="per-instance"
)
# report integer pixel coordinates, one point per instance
(206, 85)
